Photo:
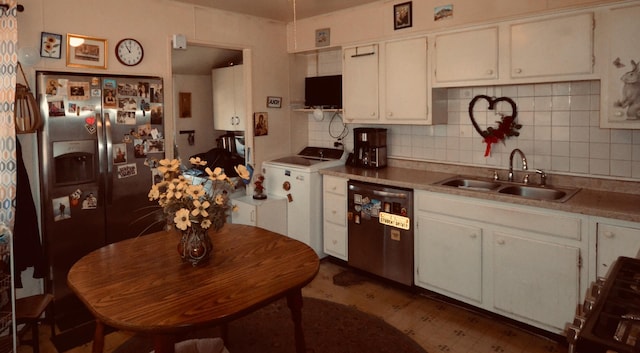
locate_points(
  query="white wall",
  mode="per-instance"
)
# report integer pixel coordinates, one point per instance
(153, 22)
(201, 119)
(374, 21)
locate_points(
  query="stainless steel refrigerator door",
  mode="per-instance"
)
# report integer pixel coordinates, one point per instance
(71, 187)
(134, 137)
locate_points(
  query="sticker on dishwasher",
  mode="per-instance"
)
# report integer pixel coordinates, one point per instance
(394, 220)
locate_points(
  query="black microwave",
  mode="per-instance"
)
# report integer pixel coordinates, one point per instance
(323, 92)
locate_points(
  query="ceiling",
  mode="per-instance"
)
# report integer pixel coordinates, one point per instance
(199, 60)
(280, 10)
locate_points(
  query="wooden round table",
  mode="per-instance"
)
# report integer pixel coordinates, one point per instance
(141, 285)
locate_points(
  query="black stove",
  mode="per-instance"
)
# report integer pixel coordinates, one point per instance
(609, 320)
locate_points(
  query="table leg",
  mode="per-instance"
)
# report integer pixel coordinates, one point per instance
(164, 344)
(98, 338)
(294, 301)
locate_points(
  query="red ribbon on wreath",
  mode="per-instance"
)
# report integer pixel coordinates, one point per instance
(507, 125)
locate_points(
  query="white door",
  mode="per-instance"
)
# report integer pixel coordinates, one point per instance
(614, 241)
(223, 98)
(536, 280)
(552, 47)
(360, 83)
(405, 83)
(466, 56)
(449, 257)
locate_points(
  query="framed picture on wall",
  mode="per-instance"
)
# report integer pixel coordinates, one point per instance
(83, 51)
(274, 102)
(402, 15)
(185, 104)
(260, 124)
(50, 45)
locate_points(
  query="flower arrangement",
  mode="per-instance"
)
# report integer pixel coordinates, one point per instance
(187, 205)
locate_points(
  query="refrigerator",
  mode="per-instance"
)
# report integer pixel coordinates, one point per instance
(98, 152)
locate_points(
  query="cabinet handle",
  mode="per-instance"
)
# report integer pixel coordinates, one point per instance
(373, 113)
(473, 235)
(390, 114)
(501, 241)
(618, 113)
(490, 72)
(334, 242)
(518, 71)
(253, 215)
(609, 234)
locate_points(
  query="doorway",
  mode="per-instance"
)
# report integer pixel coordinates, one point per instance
(192, 88)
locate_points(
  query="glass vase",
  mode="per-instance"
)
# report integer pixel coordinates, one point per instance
(195, 246)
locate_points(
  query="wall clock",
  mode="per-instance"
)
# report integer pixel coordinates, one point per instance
(129, 52)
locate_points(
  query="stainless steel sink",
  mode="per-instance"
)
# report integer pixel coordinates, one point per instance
(470, 183)
(538, 193)
(546, 193)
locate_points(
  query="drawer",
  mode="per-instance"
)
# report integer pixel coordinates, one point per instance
(334, 185)
(335, 209)
(335, 240)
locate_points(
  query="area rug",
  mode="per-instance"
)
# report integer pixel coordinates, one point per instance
(328, 328)
(348, 278)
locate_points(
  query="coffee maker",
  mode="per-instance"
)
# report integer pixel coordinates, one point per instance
(370, 147)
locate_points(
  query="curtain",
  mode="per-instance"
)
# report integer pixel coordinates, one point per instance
(8, 62)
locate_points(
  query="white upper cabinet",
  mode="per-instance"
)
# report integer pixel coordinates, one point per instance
(552, 47)
(621, 78)
(360, 83)
(388, 83)
(405, 84)
(466, 56)
(228, 98)
(544, 49)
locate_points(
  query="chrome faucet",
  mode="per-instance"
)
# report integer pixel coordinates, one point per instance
(543, 177)
(524, 163)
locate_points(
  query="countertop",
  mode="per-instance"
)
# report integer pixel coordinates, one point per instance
(597, 197)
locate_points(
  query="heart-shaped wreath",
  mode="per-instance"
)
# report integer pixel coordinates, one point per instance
(507, 125)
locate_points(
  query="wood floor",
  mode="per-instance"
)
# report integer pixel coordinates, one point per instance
(435, 325)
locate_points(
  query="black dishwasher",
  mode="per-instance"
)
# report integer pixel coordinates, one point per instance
(380, 230)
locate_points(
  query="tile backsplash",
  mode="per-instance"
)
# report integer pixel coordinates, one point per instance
(560, 132)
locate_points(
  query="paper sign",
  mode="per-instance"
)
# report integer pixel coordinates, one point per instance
(394, 220)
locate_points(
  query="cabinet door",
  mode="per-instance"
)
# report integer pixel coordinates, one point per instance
(535, 280)
(228, 98)
(621, 96)
(239, 98)
(244, 214)
(552, 47)
(466, 56)
(360, 83)
(612, 242)
(449, 258)
(405, 82)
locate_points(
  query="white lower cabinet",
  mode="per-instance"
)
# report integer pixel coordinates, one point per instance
(535, 280)
(518, 261)
(335, 216)
(614, 239)
(452, 254)
(270, 214)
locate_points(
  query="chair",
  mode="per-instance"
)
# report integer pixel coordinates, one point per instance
(29, 312)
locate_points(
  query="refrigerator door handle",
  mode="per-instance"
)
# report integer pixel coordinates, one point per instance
(109, 161)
